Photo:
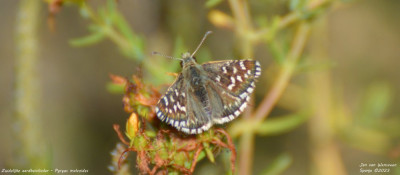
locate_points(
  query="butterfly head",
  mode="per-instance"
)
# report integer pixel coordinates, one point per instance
(187, 60)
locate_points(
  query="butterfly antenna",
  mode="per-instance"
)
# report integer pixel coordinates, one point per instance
(204, 38)
(170, 57)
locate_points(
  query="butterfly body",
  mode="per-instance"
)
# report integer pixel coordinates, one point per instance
(211, 93)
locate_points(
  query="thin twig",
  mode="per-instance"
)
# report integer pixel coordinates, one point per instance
(286, 73)
(293, 17)
(120, 135)
(195, 157)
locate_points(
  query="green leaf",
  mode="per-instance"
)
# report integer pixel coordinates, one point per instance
(87, 40)
(278, 125)
(123, 27)
(297, 4)
(201, 156)
(84, 11)
(280, 164)
(367, 139)
(136, 43)
(115, 88)
(209, 153)
(375, 102)
(272, 29)
(212, 3)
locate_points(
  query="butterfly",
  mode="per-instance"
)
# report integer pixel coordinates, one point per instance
(215, 92)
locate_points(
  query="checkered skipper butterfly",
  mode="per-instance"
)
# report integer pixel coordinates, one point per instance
(203, 95)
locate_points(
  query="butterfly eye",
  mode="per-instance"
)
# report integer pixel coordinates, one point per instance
(182, 63)
(195, 60)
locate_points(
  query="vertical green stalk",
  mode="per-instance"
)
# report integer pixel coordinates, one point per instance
(244, 30)
(325, 153)
(30, 145)
(246, 153)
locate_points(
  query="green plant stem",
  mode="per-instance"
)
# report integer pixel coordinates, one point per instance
(324, 151)
(285, 74)
(115, 36)
(246, 143)
(244, 28)
(246, 153)
(293, 17)
(109, 31)
(31, 148)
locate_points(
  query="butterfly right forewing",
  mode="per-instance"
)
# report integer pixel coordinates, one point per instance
(235, 80)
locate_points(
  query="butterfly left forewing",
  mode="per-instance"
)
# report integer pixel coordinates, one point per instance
(185, 108)
(171, 108)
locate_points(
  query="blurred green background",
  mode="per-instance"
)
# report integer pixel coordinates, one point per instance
(349, 74)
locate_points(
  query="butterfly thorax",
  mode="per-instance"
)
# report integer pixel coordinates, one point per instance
(196, 80)
(194, 74)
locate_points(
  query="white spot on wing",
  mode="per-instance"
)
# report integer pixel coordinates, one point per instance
(165, 100)
(243, 106)
(243, 95)
(206, 126)
(182, 124)
(225, 119)
(218, 78)
(258, 64)
(224, 70)
(186, 130)
(234, 70)
(176, 92)
(250, 89)
(232, 83)
(239, 78)
(242, 65)
(258, 69)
